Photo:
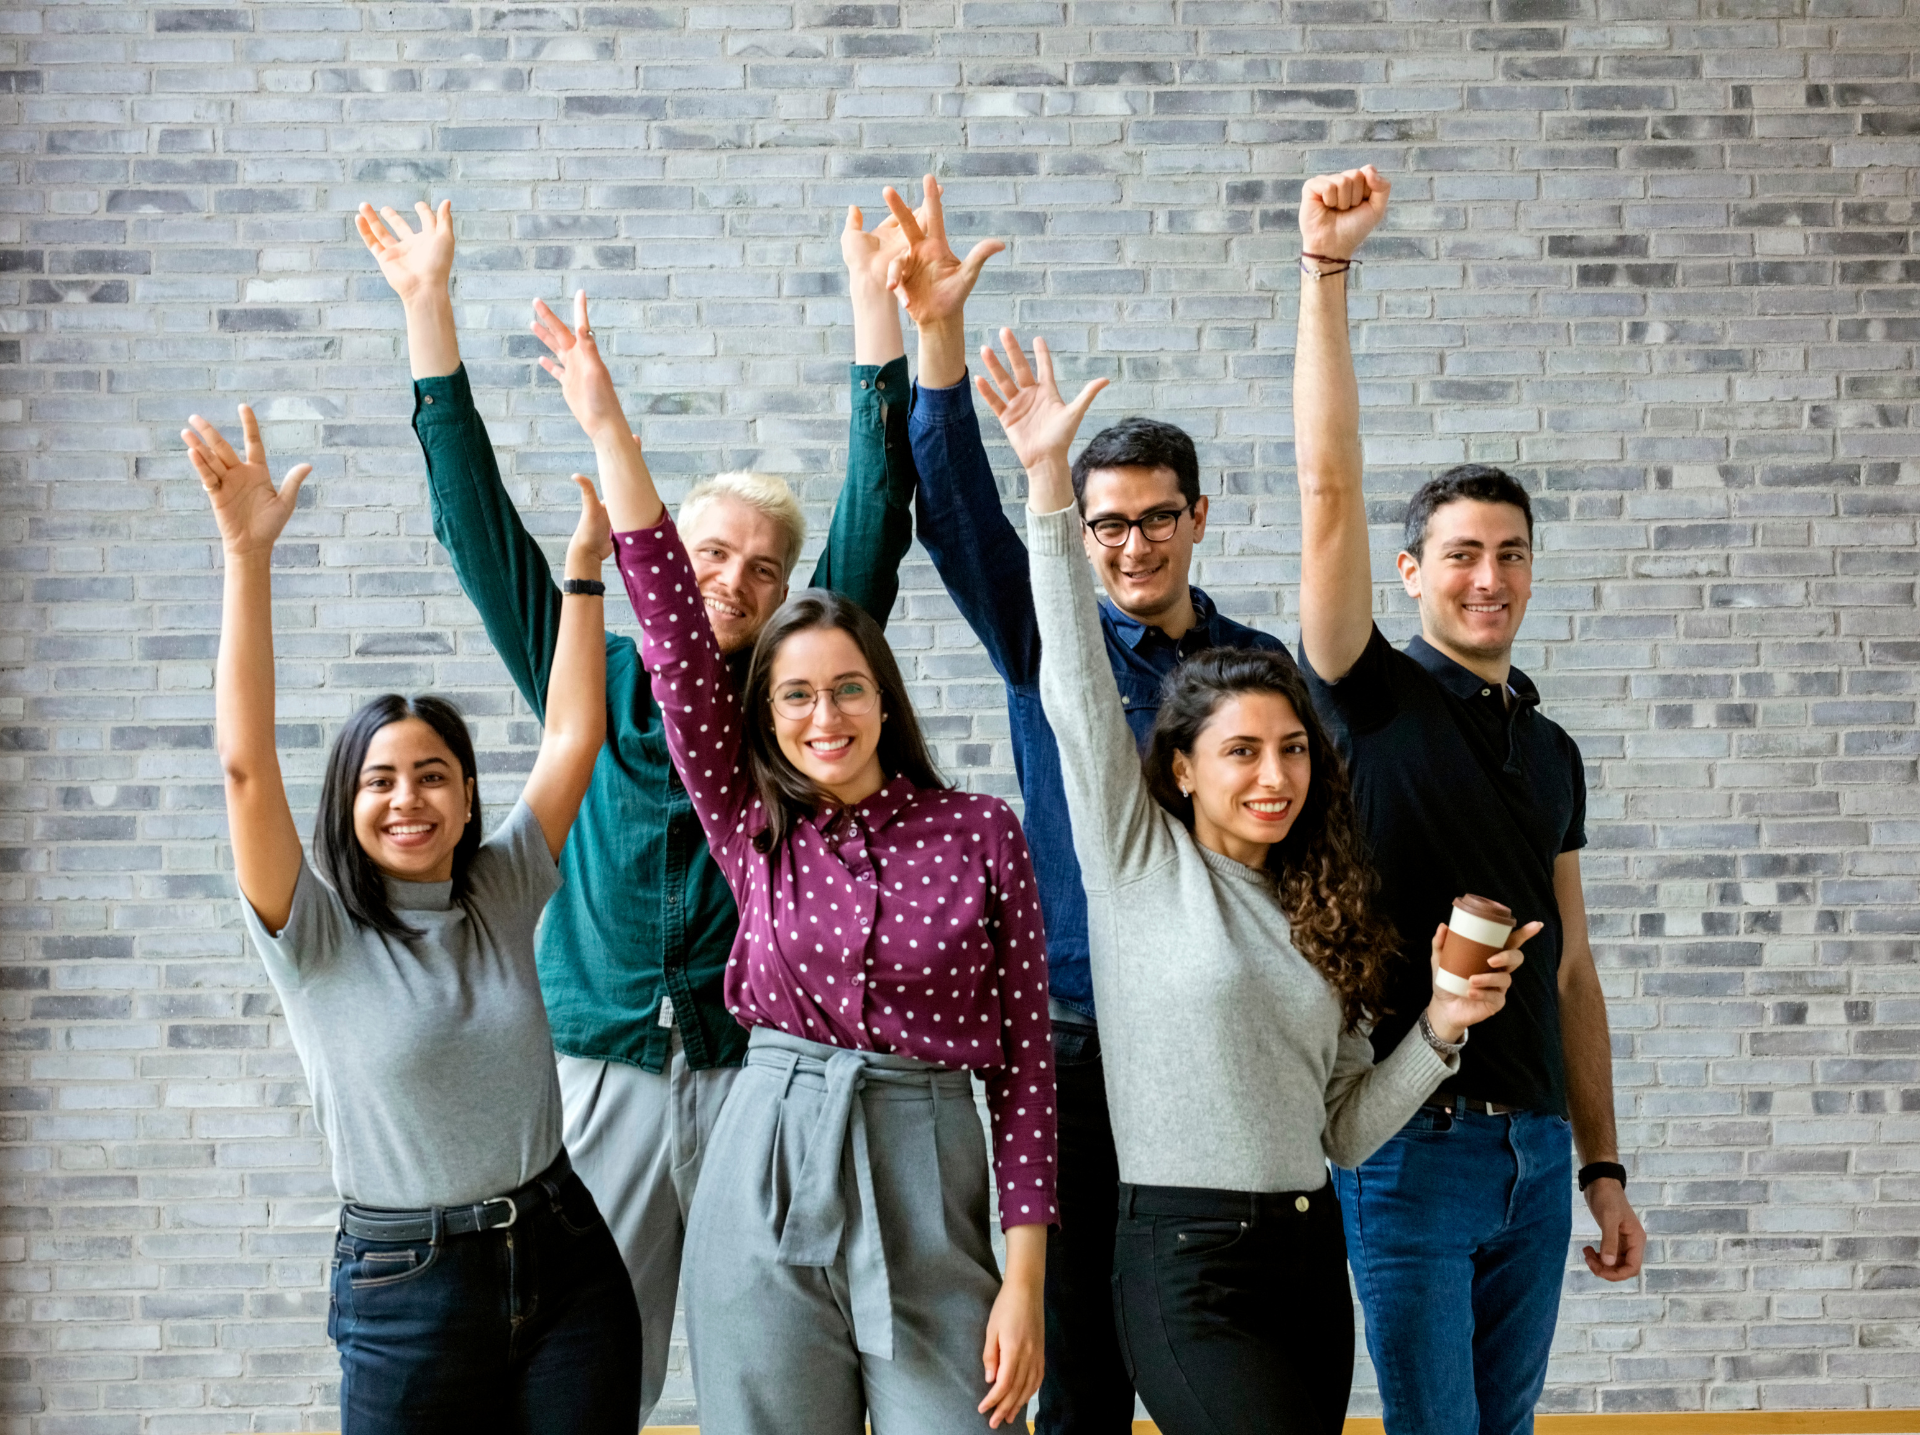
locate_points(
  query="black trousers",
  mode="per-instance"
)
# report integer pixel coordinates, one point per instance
(1086, 1390)
(1234, 1309)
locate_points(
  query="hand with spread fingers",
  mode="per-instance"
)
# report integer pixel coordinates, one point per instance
(249, 510)
(870, 256)
(1039, 423)
(573, 357)
(931, 281)
(416, 262)
(1338, 211)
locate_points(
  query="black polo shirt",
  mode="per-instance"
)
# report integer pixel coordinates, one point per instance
(1460, 789)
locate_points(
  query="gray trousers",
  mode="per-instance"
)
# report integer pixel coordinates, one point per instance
(838, 1265)
(637, 1139)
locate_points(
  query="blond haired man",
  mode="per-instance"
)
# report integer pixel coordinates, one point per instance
(632, 949)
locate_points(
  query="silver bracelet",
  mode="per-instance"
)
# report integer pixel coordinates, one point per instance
(1447, 1049)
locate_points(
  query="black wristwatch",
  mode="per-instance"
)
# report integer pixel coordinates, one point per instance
(1602, 1171)
(585, 587)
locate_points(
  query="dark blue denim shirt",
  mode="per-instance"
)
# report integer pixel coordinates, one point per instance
(980, 558)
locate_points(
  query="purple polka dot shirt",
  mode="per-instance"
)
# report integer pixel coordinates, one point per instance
(912, 926)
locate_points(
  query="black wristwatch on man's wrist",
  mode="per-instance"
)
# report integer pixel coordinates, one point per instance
(1602, 1171)
(584, 587)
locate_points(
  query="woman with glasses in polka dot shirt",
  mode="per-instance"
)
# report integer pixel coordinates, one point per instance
(838, 1265)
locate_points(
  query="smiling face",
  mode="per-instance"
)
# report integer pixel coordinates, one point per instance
(1147, 581)
(412, 802)
(739, 555)
(1248, 772)
(837, 749)
(1472, 578)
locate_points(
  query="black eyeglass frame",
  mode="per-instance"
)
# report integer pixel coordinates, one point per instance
(1140, 523)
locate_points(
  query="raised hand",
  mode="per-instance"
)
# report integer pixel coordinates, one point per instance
(417, 263)
(1449, 1014)
(574, 359)
(250, 511)
(1338, 211)
(1039, 423)
(870, 254)
(592, 541)
(931, 281)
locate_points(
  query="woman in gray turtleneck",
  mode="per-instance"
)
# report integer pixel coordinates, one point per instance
(1236, 964)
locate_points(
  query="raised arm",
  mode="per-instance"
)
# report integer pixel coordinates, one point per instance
(1115, 820)
(418, 264)
(974, 549)
(1336, 586)
(250, 513)
(576, 712)
(873, 517)
(573, 358)
(691, 685)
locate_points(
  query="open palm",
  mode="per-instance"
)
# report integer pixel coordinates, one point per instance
(870, 253)
(1025, 399)
(573, 357)
(932, 281)
(412, 261)
(250, 511)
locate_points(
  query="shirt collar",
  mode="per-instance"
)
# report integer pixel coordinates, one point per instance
(1132, 631)
(1463, 682)
(877, 811)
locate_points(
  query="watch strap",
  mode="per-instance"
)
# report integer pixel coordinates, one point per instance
(1448, 1049)
(1602, 1171)
(584, 587)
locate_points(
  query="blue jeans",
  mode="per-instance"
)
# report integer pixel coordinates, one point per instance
(1457, 1232)
(530, 1328)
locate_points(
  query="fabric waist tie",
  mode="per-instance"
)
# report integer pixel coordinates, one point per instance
(818, 1224)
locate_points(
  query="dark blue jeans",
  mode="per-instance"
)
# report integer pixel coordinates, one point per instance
(1457, 1232)
(530, 1329)
(1085, 1390)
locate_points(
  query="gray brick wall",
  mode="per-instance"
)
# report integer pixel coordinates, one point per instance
(1656, 255)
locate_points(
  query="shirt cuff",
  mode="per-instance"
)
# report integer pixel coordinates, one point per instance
(943, 406)
(1052, 533)
(445, 399)
(877, 385)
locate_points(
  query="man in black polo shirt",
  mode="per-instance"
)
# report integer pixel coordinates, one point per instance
(1457, 1228)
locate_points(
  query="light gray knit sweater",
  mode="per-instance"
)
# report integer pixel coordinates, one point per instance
(1226, 1063)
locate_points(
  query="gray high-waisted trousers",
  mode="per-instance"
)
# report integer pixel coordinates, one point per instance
(837, 1266)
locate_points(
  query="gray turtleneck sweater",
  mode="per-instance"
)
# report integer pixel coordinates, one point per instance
(1227, 1064)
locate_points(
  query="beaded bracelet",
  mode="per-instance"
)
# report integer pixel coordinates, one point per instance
(1345, 264)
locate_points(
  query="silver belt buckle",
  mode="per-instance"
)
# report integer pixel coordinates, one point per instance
(513, 1211)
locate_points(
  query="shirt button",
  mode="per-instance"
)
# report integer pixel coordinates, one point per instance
(863, 383)
(1486, 692)
(1300, 1203)
(429, 398)
(879, 383)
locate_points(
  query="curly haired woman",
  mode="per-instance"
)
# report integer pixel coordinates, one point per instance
(1236, 964)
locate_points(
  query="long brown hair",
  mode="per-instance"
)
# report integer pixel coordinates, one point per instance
(1325, 882)
(787, 793)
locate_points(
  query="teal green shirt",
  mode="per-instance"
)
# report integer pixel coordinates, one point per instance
(642, 913)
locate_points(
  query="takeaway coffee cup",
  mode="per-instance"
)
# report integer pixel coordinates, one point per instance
(1476, 929)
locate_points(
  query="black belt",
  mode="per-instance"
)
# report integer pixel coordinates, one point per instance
(371, 1223)
(1474, 1104)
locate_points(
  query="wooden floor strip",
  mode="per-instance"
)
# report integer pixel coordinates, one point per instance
(1715, 1422)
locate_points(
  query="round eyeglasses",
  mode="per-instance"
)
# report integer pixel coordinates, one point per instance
(852, 697)
(1156, 527)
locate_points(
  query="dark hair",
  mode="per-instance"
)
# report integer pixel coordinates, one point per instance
(1140, 443)
(1324, 880)
(787, 793)
(337, 853)
(1478, 481)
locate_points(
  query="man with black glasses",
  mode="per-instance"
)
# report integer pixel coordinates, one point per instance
(1138, 488)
